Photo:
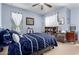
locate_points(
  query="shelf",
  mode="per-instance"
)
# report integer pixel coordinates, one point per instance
(51, 30)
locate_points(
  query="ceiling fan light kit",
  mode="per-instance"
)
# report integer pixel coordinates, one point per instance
(42, 5)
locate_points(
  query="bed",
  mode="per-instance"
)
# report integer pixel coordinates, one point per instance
(30, 43)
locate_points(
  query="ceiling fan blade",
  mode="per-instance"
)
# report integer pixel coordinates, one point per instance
(48, 5)
(35, 4)
(41, 7)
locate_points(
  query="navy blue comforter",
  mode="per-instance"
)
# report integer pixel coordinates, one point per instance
(30, 42)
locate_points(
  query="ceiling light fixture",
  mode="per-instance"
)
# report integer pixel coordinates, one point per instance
(42, 5)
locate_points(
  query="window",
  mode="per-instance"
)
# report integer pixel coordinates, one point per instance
(51, 21)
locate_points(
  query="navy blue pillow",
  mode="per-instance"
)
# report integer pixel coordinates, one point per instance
(5, 37)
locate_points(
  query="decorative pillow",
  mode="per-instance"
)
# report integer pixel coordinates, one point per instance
(5, 36)
(16, 38)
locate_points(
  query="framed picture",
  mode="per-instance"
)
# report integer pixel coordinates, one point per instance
(29, 21)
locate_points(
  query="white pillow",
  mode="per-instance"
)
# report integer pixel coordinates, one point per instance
(16, 38)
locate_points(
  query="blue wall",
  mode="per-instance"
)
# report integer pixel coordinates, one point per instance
(75, 18)
(39, 19)
(7, 23)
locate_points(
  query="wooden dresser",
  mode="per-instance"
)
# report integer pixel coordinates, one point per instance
(71, 36)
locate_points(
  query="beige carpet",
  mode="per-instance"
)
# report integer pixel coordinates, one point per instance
(64, 49)
(5, 49)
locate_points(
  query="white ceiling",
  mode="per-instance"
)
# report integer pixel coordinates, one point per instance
(37, 9)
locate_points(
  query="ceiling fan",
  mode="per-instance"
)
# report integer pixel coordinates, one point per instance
(42, 5)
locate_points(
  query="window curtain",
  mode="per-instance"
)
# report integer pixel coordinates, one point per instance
(16, 17)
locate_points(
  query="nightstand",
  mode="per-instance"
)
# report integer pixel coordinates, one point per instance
(61, 37)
